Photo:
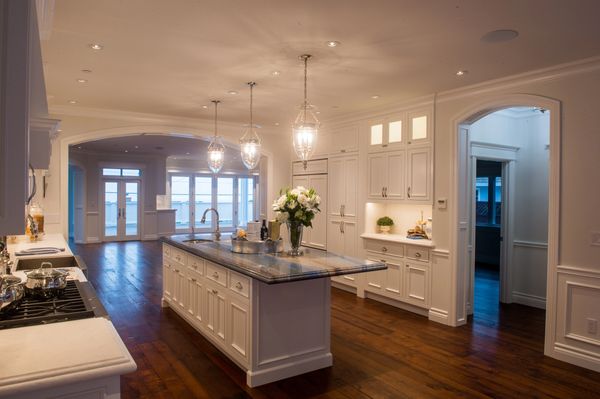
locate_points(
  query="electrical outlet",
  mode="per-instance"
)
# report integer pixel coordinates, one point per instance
(442, 203)
(595, 238)
(592, 326)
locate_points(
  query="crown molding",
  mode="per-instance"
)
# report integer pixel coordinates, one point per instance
(542, 75)
(146, 118)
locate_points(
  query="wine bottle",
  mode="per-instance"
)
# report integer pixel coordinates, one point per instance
(264, 232)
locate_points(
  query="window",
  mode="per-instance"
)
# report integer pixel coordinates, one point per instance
(488, 194)
(121, 172)
(232, 195)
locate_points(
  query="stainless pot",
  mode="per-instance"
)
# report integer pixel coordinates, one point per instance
(46, 282)
(11, 292)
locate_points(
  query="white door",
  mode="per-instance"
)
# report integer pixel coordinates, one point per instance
(121, 210)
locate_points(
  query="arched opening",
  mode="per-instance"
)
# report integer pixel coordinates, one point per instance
(463, 211)
(148, 209)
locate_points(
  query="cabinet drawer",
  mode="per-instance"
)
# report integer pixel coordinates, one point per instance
(167, 250)
(178, 256)
(385, 248)
(216, 273)
(239, 284)
(417, 253)
(193, 274)
(195, 264)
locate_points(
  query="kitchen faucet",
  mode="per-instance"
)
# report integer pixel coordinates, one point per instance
(203, 220)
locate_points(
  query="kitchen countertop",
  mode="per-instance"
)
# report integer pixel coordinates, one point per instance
(398, 238)
(274, 268)
(47, 240)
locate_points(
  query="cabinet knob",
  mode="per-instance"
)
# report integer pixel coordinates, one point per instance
(194, 280)
(177, 270)
(215, 292)
(383, 249)
(417, 254)
(382, 260)
(238, 285)
(216, 275)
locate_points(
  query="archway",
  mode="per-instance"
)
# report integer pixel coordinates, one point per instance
(459, 200)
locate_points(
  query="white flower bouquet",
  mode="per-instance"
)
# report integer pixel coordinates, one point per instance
(298, 205)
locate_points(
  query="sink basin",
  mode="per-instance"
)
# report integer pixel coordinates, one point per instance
(197, 241)
(57, 262)
(256, 247)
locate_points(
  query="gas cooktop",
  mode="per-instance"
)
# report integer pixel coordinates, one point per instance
(76, 302)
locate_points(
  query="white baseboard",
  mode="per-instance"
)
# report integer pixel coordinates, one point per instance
(398, 304)
(529, 300)
(439, 316)
(92, 240)
(570, 354)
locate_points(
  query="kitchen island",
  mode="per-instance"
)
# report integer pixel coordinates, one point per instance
(269, 313)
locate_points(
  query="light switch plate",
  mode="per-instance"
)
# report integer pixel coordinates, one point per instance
(442, 203)
(595, 238)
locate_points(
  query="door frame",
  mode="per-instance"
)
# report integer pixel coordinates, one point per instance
(507, 155)
(459, 268)
(121, 180)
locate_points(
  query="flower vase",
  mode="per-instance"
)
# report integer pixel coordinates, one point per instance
(295, 233)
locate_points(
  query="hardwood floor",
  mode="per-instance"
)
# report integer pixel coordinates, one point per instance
(379, 351)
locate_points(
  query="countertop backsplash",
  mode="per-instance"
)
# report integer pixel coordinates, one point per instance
(403, 215)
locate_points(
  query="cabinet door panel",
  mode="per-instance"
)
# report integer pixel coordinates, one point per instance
(335, 199)
(215, 313)
(395, 172)
(350, 187)
(393, 279)
(335, 241)
(415, 284)
(377, 174)
(419, 171)
(317, 237)
(375, 281)
(167, 278)
(239, 319)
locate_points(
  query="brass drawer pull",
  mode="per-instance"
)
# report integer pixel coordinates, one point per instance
(384, 249)
(239, 285)
(194, 280)
(216, 275)
(417, 254)
(215, 292)
(177, 270)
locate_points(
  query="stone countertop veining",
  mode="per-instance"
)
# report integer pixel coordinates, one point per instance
(274, 268)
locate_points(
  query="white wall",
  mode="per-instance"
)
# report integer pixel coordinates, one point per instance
(529, 132)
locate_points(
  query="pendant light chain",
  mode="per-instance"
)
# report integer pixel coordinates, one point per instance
(216, 102)
(306, 57)
(251, 84)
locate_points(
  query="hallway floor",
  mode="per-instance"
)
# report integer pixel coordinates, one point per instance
(379, 351)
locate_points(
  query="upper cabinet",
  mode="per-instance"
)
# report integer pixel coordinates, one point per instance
(400, 164)
(337, 140)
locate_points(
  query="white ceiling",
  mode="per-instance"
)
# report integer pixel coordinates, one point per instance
(172, 57)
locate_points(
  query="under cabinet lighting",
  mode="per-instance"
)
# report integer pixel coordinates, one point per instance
(96, 46)
(81, 80)
(333, 43)
(462, 72)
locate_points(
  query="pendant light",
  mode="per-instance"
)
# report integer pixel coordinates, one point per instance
(250, 142)
(306, 125)
(216, 149)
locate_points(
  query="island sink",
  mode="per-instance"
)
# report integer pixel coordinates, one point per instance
(197, 241)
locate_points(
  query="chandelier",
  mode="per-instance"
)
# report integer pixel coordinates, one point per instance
(216, 149)
(250, 142)
(306, 125)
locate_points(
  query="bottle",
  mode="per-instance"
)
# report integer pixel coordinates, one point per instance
(264, 232)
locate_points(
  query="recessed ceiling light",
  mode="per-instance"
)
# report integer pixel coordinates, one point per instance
(126, 150)
(462, 72)
(72, 101)
(96, 46)
(232, 92)
(375, 97)
(79, 147)
(86, 70)
(136, 147)
(81, 80)
(276, 73)
(205, 107)
(58, 130)
(317, 112)
(276, 123)
(187, 153)
(333, 43)
(500, 35)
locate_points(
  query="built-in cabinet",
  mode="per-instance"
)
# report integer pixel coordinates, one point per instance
(342, 227)
(399, 160)
(314, 176)
(407, 276)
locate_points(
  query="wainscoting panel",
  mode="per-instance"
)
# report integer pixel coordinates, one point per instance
(93, 227)
(578, 315)
(149, 226)
(439, 288)
(529, 270)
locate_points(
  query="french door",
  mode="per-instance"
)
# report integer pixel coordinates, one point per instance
(121, 210)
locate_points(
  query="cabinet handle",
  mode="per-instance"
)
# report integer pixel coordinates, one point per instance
(408, 192)
(176, 270)
(239, 285)
(383, 249)
(341, 211)
(168, 266)
(193, 280)
(342, 226)
(215, 292)
(216, 275)
(382, 260)
(417, 254)
(382, 188)
(385, 191)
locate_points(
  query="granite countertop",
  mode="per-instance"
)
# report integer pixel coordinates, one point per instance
(274, 268)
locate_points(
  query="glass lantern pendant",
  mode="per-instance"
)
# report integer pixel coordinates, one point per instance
(216, 149)
(250, 142)
(306, 125)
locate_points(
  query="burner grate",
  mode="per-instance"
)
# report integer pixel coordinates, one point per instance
(69, 305)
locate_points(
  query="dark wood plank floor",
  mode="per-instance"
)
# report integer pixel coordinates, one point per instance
(379, 351)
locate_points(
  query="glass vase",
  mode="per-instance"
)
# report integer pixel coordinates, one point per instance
(295, 234)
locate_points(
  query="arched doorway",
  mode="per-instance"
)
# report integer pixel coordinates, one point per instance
(460, 207)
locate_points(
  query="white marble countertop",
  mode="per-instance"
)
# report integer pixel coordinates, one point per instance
(398, 238)
(47, 240)
(49, 355)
